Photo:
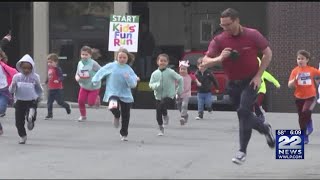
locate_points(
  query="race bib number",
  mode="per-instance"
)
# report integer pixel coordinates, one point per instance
(84, 74)
(113, 104)
(304, 79)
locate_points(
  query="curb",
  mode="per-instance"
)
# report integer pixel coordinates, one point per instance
(43, 104)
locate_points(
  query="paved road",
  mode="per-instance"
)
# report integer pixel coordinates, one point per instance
(65, 148)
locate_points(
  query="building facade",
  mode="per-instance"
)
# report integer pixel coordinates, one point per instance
(63, 27)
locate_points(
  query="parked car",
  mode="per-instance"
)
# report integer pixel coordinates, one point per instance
(220, 97)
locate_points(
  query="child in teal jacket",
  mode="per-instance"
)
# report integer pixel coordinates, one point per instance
(162, 82)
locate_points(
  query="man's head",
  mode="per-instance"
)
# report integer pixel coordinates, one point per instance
(229, 21)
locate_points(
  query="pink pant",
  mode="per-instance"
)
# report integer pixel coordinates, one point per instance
(89, 96)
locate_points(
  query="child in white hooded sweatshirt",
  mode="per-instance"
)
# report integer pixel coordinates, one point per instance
(27, 91)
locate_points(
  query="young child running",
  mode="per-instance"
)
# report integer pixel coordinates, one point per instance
(120, 78)
(302, 79)
(205, 80)
(258, 109)
(86, 69)
(162, 82)
(183, 99)
(6, 74)
(27, 91)
(55, 87)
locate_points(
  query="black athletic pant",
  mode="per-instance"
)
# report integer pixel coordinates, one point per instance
(124, 112)
(243, 96)
(21, 114)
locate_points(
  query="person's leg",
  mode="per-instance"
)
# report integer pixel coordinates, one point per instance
(248, 121)
(34, 105)
(306, 115)
(201, 101)
(164, 109)
(51, 95)
(159, 112)
(115, 111)
(208, 101)
(179, 104)
(92, 97)
(299, 106)
(61, 102)
(20, 114)
(184, 110)
(184, 107)
(234, 91)
(258, 106)
(82, 98)
(125, 116)
(159, 117)
(164, 106)
(3, 104)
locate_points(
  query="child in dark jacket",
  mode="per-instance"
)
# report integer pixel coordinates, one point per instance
(205, 80)
(55, 87)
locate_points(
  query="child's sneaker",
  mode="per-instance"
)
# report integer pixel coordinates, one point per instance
(161, 133)
(123, 138)
(186, 118)
(200, 116)
(82, 118)
(30, 117)
(116, 122)
(48, 117)
(239, 158)
(309, 129)
(306, 139)
(31, 114)
(23, 140)
(68, 109)
(1, 130)
(318, 101)
(30, 125)
(166, 120)
(182, 121)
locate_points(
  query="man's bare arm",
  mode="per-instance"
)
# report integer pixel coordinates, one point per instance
(265, 61)
(209, 62)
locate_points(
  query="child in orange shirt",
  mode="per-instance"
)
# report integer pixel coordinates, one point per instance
(302, 79)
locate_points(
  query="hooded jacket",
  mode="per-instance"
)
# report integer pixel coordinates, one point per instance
(86, 69)
(163, 83)
(26, 87)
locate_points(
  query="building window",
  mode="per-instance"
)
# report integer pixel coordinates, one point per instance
(207, 28)
(73, 25)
